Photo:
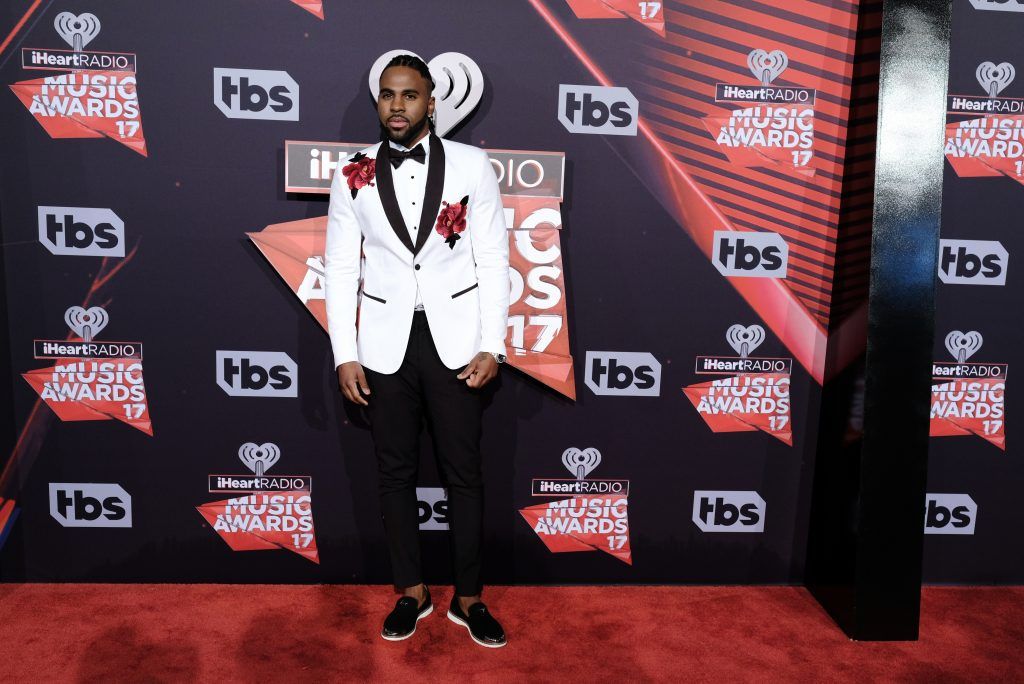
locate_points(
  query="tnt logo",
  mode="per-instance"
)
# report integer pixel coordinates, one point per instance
(972, 262)
(950, 514)
(728, 511)
(999, 5)
(433, 508)
(596, 109)
(81, 231)
(633, 374)
(90, 505)
(256, 94)
(257, 374)
(750, 255)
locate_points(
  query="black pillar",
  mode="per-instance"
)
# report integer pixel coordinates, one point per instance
(867, 509)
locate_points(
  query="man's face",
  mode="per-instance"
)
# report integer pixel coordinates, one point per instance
(404, 103)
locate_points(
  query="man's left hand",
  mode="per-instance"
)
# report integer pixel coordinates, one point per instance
(480, 371)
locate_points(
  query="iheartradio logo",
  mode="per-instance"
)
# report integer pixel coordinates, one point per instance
(77, 31)
(86, 323)
(767, 66)
(581, 462)
(744, 339)
(963, 345)
(995, 77)
(458, 86)
(259, 458)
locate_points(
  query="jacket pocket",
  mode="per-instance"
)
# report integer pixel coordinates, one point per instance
(468, 289)
(376, 299)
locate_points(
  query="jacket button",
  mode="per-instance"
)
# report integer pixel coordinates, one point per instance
(417, 267)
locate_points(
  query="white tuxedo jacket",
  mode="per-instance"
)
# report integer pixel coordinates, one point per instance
(464, 289)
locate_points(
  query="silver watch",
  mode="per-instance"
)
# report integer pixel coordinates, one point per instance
(500, 358)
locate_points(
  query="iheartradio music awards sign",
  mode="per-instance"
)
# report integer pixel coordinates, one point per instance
(90, 379)
(89, 94)
(673, 178)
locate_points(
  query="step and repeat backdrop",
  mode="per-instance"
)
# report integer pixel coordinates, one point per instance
(974, 459)
(673, 181)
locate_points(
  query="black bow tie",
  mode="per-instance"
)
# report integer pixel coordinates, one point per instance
(398, 156)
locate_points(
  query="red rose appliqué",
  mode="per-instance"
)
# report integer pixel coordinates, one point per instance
(452, 221)
(360, 172)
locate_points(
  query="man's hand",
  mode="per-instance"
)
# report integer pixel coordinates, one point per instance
(352, 381)
(480, 371)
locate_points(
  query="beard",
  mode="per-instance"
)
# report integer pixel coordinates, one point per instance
(411, 132)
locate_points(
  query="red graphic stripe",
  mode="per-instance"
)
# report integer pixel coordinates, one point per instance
(764, 27)
(779, 307)
(6, 511)
(17, 27)
(821, 216)
(705, 46)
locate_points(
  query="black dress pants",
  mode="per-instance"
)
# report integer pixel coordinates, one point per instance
(423, 387)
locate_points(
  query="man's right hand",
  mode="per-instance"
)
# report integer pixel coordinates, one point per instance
(352, 382)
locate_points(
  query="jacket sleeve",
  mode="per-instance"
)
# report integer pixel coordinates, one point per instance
(490, 252)
(341, 271)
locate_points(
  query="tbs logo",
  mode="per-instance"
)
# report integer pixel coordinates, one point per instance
(433, 508)
(972, 262)
(596, 109)
(950, 514)
(750, 255)
(90, 505)
(728, 511)
(81, 231)
(257, 374)
(256, 94)
(999, 5)
(630, 374)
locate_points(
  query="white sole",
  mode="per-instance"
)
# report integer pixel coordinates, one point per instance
(419, 617)
(459, 621)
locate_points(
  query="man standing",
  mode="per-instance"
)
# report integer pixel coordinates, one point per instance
(431, 326)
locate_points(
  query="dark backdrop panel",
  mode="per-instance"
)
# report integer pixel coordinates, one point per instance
(636, 252)
(980, 209)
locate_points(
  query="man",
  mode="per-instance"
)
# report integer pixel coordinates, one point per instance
(431, 326)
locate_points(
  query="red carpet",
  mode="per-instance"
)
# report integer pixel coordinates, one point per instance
(175, 633)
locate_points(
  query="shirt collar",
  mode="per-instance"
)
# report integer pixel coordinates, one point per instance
(425, 142)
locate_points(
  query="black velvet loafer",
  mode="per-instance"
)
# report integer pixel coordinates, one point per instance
(401, 622)
(482, 626)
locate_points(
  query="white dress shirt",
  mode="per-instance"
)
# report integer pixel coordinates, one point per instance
(410, 187)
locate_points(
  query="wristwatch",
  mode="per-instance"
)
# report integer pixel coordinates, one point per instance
(500, 358)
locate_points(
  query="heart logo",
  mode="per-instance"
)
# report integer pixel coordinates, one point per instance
(259, 457)
(766, 66)
(744, 340)
(77, 31)
(458, 86)
(994, 77)
(963, 345)
(581, 462)
(86, 322)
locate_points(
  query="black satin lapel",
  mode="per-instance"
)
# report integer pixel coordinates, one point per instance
(432, 196)
(386, 191)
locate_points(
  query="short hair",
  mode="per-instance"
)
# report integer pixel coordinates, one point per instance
(413, 62)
